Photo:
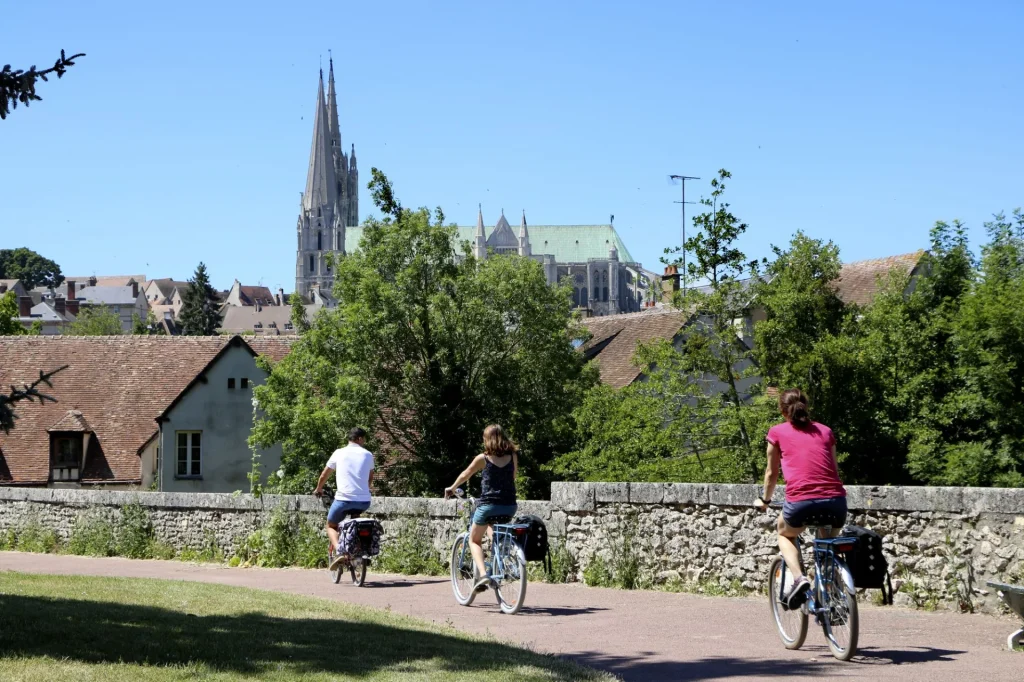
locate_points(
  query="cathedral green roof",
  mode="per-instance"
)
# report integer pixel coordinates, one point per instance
(568, 243)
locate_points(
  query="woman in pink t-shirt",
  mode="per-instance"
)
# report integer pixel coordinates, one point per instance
(806, 451)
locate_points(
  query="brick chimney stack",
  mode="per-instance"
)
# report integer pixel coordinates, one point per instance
(25, 306)
(669, 282)
(59, 304)
(71, 288)
(281, 300)
(135, 289)
(72, 306)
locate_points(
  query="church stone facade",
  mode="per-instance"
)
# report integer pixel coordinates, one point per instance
(605, 278)
(330, 204)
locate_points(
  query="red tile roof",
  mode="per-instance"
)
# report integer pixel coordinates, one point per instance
(615, 338)
(861, 281)
(118, 384)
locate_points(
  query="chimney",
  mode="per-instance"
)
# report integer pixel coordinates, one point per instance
(281, 300)
(25, 306)
(669, 282)
(72, 306)
(135, 289)
(59, 305)
(71, 288)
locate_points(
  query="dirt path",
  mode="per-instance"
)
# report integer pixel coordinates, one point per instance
(640, 636)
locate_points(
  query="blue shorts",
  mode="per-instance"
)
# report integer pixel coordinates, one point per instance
(825, 512)
(339, 508)
(486, 511)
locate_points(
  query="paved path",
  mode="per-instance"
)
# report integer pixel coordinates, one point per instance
(641, 636)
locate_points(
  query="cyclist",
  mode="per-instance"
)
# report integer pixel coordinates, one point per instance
(499, 463)
(807, 453)
(353, 467)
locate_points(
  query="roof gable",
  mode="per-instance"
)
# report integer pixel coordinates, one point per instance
(859, 282)
(615, 338)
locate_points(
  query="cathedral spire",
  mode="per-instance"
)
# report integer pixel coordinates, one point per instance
(321, 187)
(480, 238)
(332, 107)
(524, 237)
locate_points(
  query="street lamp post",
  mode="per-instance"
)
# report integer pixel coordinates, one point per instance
(682, 181)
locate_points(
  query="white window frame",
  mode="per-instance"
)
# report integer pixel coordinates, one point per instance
(193, 452)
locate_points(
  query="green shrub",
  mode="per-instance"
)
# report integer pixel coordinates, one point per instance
(134, 532)
(208, 551)
(34, 538)
(287, 539)
(92, 535)
(596, 573)
(161, 550)
(410, 552)
(9, 540)
(564, 565)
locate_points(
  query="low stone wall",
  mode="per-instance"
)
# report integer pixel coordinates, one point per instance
(943, 543)
(190, 520)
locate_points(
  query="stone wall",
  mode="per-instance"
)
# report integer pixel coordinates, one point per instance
(943, 543)
(191, 520)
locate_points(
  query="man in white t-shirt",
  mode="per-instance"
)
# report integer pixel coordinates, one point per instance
(353, 467)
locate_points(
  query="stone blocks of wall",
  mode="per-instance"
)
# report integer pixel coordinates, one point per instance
(192, 520)
(942, 543)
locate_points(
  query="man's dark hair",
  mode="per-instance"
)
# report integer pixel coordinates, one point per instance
(355, 434)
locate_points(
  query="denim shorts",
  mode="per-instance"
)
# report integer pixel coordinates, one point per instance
(486, 511)
(825, 512)
(339, 508)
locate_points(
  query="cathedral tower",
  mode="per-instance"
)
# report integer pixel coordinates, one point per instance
(331, 200)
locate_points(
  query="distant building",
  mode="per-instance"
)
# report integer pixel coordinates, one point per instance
(242, 295)
(14, 285)
(126, 302)
(53, 316)
(132, 410)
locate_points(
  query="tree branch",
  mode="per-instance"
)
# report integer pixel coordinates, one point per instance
(20, 86)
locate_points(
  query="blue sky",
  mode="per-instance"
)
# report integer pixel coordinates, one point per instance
(184, 135)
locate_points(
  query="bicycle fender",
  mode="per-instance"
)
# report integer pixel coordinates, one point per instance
(847, 577)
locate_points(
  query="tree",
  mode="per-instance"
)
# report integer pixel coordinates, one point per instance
(299, 319)
(9, 314)
(199, 314)
(27, 393)
(424, 350)
(96, 321)
(32, 269)
(695, 415)
(146, 327)
(20, 85)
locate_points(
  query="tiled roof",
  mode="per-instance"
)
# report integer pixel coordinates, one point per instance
(119, 384)
(107, 295)
(859, 282)
(240, 319)
(254, 295)
(107, 280)
(615, 338)
(568, 243)
(167, 286)
(72, 421)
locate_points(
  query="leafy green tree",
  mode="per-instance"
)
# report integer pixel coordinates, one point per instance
(299, 319)
(96, 321)
(32, 269)
(425, 349)
(146, 327)
(9, 313)
(20, 85)
(695, 415)
(200, 314)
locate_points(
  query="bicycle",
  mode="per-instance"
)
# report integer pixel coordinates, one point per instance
(355, 565)
(832, 597)
(507, 568)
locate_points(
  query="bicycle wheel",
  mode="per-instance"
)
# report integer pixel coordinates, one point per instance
(791, 623)
(357, 567)
(841, 620)
(511, 590)
(462, 571)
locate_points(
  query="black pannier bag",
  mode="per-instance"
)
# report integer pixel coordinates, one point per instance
(867, 563)
(535, 545)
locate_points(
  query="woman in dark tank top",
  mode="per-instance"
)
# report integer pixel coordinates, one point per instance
(499, 464)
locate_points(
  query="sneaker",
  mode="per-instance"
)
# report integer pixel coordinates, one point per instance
(482, 584)
(339, 559)
(798, 595)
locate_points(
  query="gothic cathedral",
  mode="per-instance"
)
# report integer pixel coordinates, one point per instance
(331, 200)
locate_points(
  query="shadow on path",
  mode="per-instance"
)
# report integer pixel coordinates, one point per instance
(561, 610)
(710, 668)
(906, 656)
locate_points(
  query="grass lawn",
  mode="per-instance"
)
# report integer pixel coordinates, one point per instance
(129, 630)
